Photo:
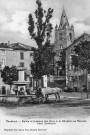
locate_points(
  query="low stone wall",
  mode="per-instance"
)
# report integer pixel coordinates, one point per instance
(55, 81)
(16, 99)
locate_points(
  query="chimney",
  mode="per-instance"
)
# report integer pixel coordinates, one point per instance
(8, 43)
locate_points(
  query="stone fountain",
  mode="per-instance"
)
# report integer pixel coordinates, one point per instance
(21, 83)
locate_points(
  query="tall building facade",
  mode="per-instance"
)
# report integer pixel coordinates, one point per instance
(64, 36)
(64, 33)
(65, 39)
(15, 54)
(75, 78)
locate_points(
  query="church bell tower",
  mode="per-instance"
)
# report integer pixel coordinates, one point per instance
(64, 33)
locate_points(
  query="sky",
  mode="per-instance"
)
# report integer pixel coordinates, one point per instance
(14, 17)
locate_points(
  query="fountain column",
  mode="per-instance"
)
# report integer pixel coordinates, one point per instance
(21, 79)
(21, 75)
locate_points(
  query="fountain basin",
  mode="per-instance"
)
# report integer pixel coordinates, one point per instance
(21, 82)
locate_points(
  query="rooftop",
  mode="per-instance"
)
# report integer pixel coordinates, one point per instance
(15, 46)
(78, 38)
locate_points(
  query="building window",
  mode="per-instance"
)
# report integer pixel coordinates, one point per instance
(60, 36)
(3, 52)
(61, 47)
(3, 59)
(70, 35)
(73, 67)
(21, 64)
(70, 78)
(21, 55)
(70, 57)
(70, 67)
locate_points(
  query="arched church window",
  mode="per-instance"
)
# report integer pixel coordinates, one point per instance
(70, 35)
(60, 36)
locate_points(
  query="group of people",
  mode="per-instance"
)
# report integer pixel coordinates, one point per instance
(20, 92)
(27, 92)
(38, 93)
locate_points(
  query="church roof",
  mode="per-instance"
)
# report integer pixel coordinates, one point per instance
(82, 37)
(64, 20)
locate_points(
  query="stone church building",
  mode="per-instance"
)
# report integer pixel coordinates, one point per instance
(65, 39)
(64, 36)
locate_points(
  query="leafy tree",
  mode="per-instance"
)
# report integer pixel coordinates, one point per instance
(62, 62)
(81, 57)
(40, 31)
(9, 74)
